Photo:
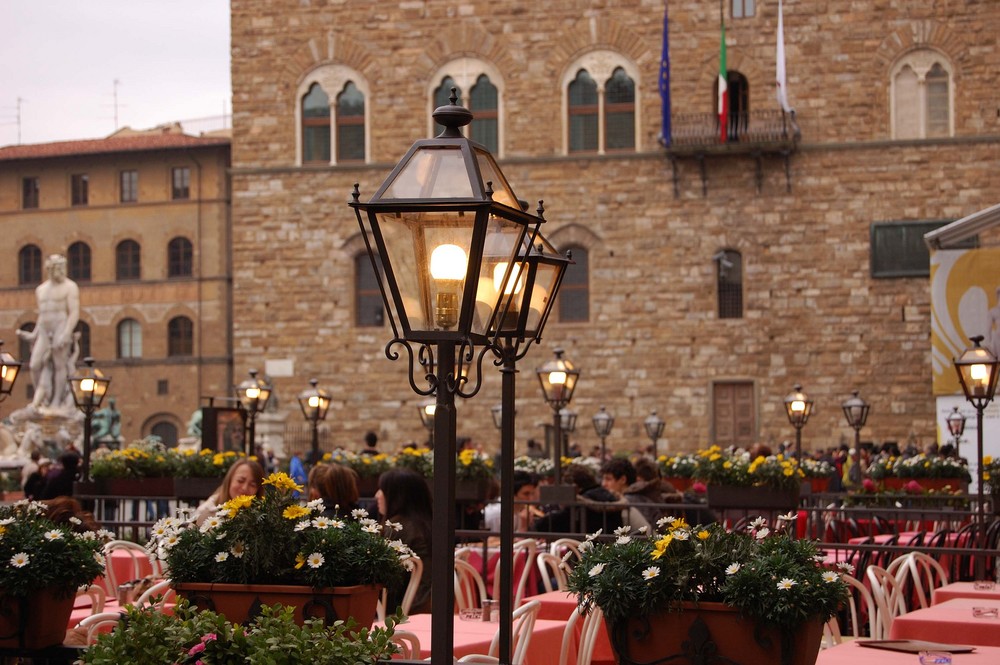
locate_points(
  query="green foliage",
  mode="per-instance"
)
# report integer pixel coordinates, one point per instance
(473, 465)
(420, 460)
(274, 539)
(366, 466)
(684, 465)
(151, 637)
(721, 467)
(149, 458)
(770, 576)
(37, 553)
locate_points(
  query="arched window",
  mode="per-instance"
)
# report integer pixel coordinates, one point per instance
(180, 257)
(922, 94)
(350, 124)
(78, 258)
(129, 339)
(316, 126)
(483, 102)
(29, 265)
(574, 294)
(619, 111)
(127, 260)
(84, 329)
(180, 337)
(729, 284)
(368, 309)
(166, 432)
(583, 113)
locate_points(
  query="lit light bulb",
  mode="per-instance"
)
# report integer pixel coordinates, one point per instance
(513, 284)
(430, 409)
(557, 378)
(448, 262)
(448, 266)
(87, 385)
(314, 402)
(253, 393)
(798, 406)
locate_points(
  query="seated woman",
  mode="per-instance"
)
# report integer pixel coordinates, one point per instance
(245, 477)
(337, 485)
(403, 497)
(62, 509)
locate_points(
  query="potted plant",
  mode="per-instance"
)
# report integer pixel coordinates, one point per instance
(368, 468)
(736, 481)
(41, 566)
(186, 635)
(472, 475)
(679, 470)
(420, 460)
(256, 550)
(144, 468)
(198, 473)
(818, 473)
(685, 590)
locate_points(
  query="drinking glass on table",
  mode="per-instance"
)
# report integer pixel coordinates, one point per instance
(935, 658)
(985, 612)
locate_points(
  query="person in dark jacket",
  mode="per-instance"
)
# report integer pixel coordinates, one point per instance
(600, 508)
(60, 480)
(34, 485)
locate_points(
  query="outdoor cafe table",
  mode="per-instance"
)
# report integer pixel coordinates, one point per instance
(950, 622)
(852, 653)
(966, 590)
(474, 637)
(559, 605)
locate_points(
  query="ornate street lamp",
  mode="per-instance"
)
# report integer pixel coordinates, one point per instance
(603, 422)
(654, 430)
(956, 426)
(798, 408)
(314, 402)
(978, 370)
(558, 378)
(446, 235)
(426, 410)
(253, 395)
(856, 411)
(9, 368)
(89, 386)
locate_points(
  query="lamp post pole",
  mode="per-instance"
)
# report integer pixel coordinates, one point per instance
(603, 422)
(654, 430)
(314, 403)
(253, 395)
(798, 408)
(89, 386)
(856, 411)
(978, 369)
(558, 378)
(956, 427)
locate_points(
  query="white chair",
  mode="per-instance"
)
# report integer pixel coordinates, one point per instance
(416, 567)
(561, 547)
(523, 550)
(137, 564)
(587, 638)
(888, 597)
(550, 567)
(97, 624)
(919, 575)
(524, 623)
(859, 603)
(94, 595)
(408, 643)
(470, 591)
(156, 596)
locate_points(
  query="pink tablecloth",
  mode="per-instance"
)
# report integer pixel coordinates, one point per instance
(950, 622)
(474, 637)
(851, 653)
(966, 590)
(559, 605)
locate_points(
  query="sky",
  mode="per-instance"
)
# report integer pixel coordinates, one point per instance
(62, 57)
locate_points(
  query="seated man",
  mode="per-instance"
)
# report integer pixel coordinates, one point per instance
(601, 509)
(525, 490)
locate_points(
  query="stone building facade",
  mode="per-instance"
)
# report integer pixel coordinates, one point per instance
(143, 218)
(813, 226)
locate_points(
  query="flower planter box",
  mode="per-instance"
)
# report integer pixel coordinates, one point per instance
(728, 496)
(195, 488)
(472, 490)
(36, 621)
(137, 487)
(703, 629)
(680, 484)
(241, 602)
(899, 484)
(818, 485)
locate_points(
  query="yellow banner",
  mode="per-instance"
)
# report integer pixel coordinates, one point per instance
(965, 301)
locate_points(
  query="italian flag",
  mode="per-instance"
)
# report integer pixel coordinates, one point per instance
(723, 89)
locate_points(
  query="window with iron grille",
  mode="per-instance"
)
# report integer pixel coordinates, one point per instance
(350, 124)
(127, 260)
(619, 111)
(78, 261)
(368, 310)
(583, 113)
(180, 183)
(180, 258)
(729, 284)
(483, 102)
(129, 339)
(80, 185)
(29, 193)
(29, 265)
(129, 186)
(574, 294)
(898, 249)
(316, 126)
(180, 337)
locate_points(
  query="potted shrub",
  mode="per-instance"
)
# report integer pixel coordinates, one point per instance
(679, 470)
(756, 597)
(152, 637)
(198, 473)
(472, 475)
(41, 566)
(145, 468)
(257, 550)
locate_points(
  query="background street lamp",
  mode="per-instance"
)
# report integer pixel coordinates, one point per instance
(253, 395)
(426, 410)
(603, 422)
(654, 430)
(798, 407)
(558, 378)
(978, 370)
(9, 368)
(89, 386)
(856, 412)
(314, 402)
(956, 426)
(567, 422)
(443, 231)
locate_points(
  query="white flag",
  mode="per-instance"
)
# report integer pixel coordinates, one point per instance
(782, 88)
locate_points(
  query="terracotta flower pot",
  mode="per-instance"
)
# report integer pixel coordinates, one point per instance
(712, 631)
(728, 496)
(36, 621)
(241, 602)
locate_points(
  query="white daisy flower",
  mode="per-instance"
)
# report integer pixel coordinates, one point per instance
(53, 535)
(171, 540)
(682, 534)
(237, 550)
(622, 530)
(758, 523)
(732, 569)
(650, 573)
(337, 524)
(75, 520)
(846, 567)
(371, 528)
(788, 517)
(762, 534)
(830, 576)
(596, 570)
(594, 535)
(20, 560)
(583, 547)
(315, 560)
(321, 522)
(623, 540)
(221, 556)
(316, 504)
(786, 584)
(359, 513)
(302, 525)
(643, 529)
(5, 522)
(395, 526)
(666, 521)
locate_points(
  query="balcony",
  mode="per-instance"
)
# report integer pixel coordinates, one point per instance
(755, 134)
